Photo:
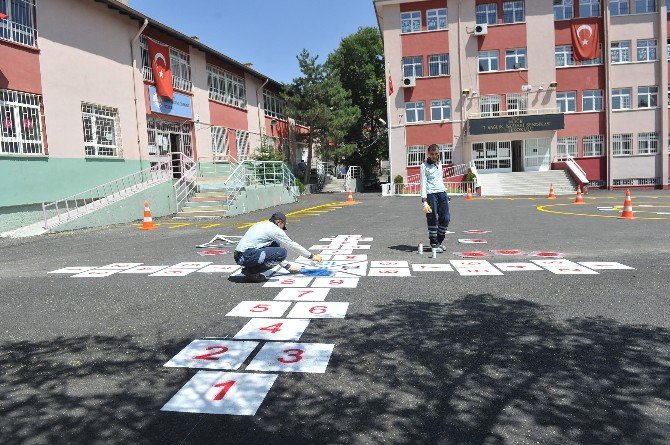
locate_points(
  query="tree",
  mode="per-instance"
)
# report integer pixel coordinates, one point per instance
(359, 64)
(317, 99)
(267, 151)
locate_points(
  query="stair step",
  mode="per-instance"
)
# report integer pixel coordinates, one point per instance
(201, 213)
(196, 207)
(209, 198)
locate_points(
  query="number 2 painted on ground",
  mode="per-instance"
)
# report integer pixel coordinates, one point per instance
(211, 355)
(225, 387)
(336, 282)
(273, 328)
(295, 354)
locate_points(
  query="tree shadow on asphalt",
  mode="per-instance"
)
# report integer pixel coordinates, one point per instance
(475, 370)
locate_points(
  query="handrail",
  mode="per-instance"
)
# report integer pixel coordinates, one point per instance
(187, 184)
(512, 113)
(353, 172)
(414, 189)
(448, 171)
(576, 169)
(250, 172)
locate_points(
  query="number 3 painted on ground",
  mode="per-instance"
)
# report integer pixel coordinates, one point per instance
(295, 354)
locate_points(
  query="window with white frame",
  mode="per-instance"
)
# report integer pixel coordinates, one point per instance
(567, 101)
(487, 14)
(621, 98)
(563, 9)
(646, 50)
(667, 47)
(513, 12)
(438, 65)
(647, 97)
(226, 87)
(645, 6)
(440, 110)
(488, 61)
(415, 111)
(567, 146)
(619, 7)
(622, 144)
(219, 141)
(589, 8)
(416, 154)
(19, 26)
(592, 100)
(179, 66)
(21, 123)
(412, 66)
(242, 142)
(593, 145)
(446, 153)
(410, 22)
(620, 51)
(273, 104)
(489, 105)
(517, 103)
(564, 56)
(515, 59)
(436, 19)
(597, 61)
(102, 136)
(647, 143)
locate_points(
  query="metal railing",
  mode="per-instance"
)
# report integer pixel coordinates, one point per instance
(66, 209)
(574, 167)
(19, 32)
(511, 113)
(353, 172)
(264, 173)
(448, 172)
(217, 165)
(414, 189)
(187, 184)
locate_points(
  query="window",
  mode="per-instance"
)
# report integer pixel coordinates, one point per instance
(563, 9)
(242, 139)
(273, 105)
(517, 103)
(593, 145)
(567, 101)
(21, 131)
(622, 144)
(438, 65)
(589, 8)
(513, 12)
(487, 14)
(596, 61)
(415, 111)
(416, 154)
(410, 21)
(19, 26)
(645, 6)
(446, 153)
(436, 19)
(646, 50)
(647, 143)
(667, 47)
(489, 105)
(647, 97)
(101, 130)
(564, 56)
(567, 146)
(488, 61)
(412, 66)
(179, 65)
(226, 87)
(219, 141)
(440, 110)
(620, 51)
(621, 98)
(515, 59)
(592, 100)
(619, 7)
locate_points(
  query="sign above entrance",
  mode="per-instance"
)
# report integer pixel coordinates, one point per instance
(516, 124)
(180, 106)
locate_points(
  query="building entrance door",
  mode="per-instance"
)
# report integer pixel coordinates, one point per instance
(166, 140)
(517, 156)
(537, 155)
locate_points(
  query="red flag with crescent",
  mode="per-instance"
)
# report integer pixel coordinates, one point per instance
(586, 39)
(160, 65)
(390, 85)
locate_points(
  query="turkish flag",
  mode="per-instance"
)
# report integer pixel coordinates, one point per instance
(586, 39)
(160, 65)
(3, 16)
(390, 85)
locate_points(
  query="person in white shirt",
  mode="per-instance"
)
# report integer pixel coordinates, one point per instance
(260, 249)
(434, 198)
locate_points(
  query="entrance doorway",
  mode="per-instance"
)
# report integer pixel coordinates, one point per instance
(517, 156)
(175, 151)
(166, 140)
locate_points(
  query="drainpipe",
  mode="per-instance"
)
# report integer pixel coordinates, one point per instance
(258, 102)
(608, 76)
(460, 85)
(137, 114)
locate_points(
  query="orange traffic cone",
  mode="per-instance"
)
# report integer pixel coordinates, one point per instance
(551, 192)
(468, 196)
(579, 199)
(148, 223)
(350, 198)
(627, 212)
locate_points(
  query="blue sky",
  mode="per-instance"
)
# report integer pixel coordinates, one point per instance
(265, 32)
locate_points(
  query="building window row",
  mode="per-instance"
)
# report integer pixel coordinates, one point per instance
(512, 12)
(490, 105)
(623, 7)
(438, 65)
(19, 26)
(515, 59)
(622, 98)
(21, 123)
(179, 66)
(564, 55)
(592, 100)
(273, 105)
(647, 51)
(436, 19)
(226, 87)
(440, 110)
(416, 154)
(622, 144)
(592, 146)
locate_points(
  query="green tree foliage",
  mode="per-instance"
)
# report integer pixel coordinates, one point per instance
(267, 151)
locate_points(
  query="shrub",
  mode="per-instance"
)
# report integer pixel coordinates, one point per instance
(398, 179)
(300, 185)
(470, 177)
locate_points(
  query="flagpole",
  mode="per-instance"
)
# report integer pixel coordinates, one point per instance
(388, 126)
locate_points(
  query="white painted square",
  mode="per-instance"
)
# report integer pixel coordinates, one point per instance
(288, 281)
(144, 269)
(349, 257)
(325, 246)
(360, 247)
(571, 270)
(95, 273)
(335, 282)
(119, 266)
(477, 231)
(508, 252)
(472, 255)
(389, 263)
(478, 270)
(213, 354)
(367, 240)
(191, 265)
(272, 329)
(555, 263)
(220, 268)
(512, 267)
(73, 269)
(389, 272)
(302, 294)
(432, 268)
(356, 269)
(327, 239)
(266, 309)
(605, 265)
(202, 395)
(304, 309)
(337, 252)
(292, 357)
(469, 263)
(339, 274)
(472, 241)
(170, 272)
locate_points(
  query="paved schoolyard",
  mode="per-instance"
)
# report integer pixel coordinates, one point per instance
(529, 356)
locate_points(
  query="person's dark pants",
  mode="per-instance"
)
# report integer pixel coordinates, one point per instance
(260, 260)
(438, 218)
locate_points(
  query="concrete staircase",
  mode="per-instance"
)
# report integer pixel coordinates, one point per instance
(526, 183)
(334, 185)
(212, 199)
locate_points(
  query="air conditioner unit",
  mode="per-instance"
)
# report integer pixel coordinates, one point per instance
(481, 29)
(409, 82)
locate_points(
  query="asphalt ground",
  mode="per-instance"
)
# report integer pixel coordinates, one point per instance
(436, 358)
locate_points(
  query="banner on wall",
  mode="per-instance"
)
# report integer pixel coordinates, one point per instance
(586, 39)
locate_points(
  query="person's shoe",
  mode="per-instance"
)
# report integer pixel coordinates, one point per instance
(254, 277)
(439, 249)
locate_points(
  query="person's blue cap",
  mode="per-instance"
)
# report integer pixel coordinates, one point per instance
(279, 216)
